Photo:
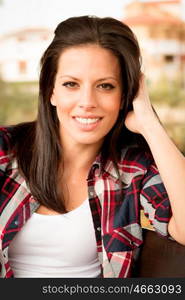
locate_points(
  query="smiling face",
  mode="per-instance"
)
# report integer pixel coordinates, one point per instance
(87, 94)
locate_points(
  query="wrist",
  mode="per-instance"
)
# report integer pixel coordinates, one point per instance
(152, 126)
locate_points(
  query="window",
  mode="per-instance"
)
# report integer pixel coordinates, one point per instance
(169, 58)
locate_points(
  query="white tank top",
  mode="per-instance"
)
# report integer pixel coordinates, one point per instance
(62, 245)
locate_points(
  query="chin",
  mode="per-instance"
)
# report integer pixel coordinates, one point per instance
(89, 140)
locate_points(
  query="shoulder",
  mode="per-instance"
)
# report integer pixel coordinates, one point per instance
(137, 157)
(5, 145)
(15, 140)
(16, 134)
(5, 139)
(133, 165)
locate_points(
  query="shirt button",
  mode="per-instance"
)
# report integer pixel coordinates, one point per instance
(91, 193)
(98, 228)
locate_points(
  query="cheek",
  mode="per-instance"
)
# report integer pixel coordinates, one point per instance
(113, 107)
(62, 104)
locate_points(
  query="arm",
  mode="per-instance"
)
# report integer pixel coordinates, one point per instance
(169, 160)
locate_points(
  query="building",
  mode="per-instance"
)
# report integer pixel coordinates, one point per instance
(20, 53)
(157, 25)
(161, 33)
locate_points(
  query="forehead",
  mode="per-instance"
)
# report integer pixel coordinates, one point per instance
(89, 57)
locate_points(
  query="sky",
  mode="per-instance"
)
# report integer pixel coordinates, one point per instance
(17, 14)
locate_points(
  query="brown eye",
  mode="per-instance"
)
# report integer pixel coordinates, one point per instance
(70, 84)
(106, 86)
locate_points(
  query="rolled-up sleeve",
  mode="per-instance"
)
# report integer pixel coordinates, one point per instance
(155, 201)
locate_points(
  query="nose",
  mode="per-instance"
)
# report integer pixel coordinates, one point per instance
(87, 98)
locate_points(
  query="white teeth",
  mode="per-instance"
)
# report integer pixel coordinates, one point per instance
(87, 120)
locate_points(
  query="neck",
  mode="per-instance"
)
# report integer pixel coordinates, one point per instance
(80, 157)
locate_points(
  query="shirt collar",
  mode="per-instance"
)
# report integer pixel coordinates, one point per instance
(97, 168)
(109, 167)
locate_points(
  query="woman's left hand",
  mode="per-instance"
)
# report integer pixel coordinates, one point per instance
(142, 113)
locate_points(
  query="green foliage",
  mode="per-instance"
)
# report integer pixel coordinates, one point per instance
(169, 92)
(18, 102)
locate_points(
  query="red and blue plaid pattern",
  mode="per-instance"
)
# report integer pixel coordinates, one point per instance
(115, 204)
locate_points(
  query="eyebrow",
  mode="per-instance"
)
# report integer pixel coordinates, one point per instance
(101, 79)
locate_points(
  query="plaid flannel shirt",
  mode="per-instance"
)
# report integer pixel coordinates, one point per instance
(115, 205)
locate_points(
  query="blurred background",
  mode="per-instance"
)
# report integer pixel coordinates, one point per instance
(26, 29)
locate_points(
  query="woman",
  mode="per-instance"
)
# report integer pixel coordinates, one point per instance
(78, 176)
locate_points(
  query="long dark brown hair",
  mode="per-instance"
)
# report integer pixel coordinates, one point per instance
(37, 144)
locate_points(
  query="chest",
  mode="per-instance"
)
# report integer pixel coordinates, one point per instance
(114, 216)
(75, 192)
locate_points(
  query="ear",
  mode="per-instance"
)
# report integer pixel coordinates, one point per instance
(53, 100)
